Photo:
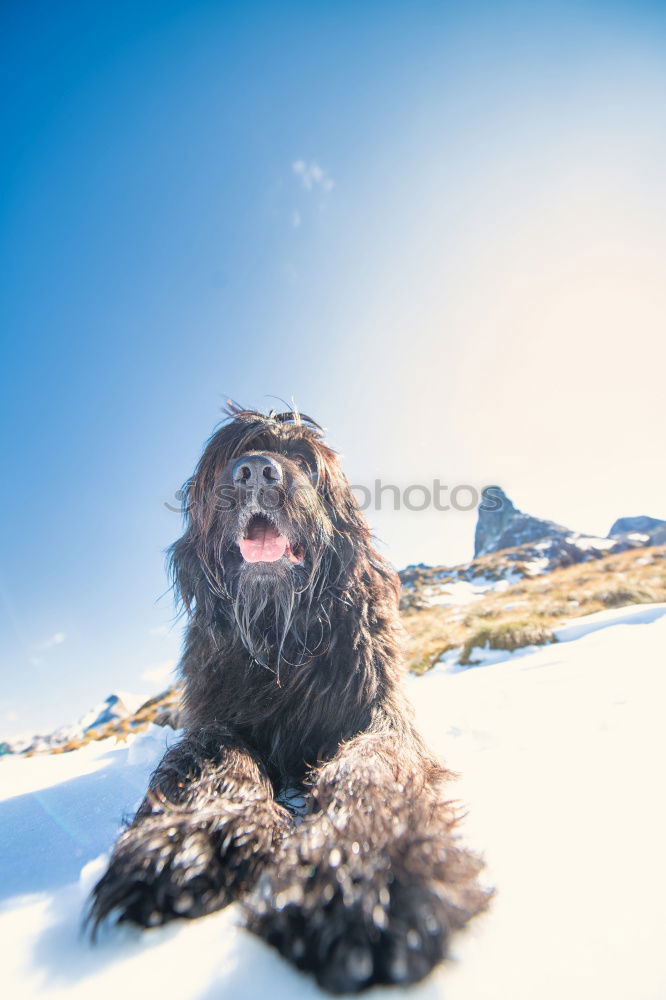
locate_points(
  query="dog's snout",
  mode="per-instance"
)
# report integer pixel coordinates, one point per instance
(255, 471)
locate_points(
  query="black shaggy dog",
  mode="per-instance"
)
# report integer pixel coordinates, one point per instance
(292, 674)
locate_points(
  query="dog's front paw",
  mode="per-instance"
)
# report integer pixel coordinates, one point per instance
(351, 925)
(158, 874)
(179, 865)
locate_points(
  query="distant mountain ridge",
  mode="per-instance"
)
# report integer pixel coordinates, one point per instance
(118, 714)
(501, 525)
(510, 545)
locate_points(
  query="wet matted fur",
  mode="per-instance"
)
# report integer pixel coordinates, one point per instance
(293, 676)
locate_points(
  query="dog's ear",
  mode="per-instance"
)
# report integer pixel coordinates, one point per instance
(186, 562)
(353, 543)
(182, 563)
(191, 576)
(342, 506)
(185, 571)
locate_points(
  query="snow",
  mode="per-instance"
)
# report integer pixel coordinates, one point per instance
(484, 656)
(461, 592)
(559, 750)
(537, 566)
(586, 542)
(635, 614)
(457, 592)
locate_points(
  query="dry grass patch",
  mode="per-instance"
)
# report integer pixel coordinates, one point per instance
(508, 635)
(637, 576)
(620, 597)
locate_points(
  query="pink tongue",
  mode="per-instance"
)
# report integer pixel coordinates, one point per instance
(264, 545)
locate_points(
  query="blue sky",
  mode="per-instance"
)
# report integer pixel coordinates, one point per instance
(439, 227)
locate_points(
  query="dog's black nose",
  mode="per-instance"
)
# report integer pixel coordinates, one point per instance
(256, 471)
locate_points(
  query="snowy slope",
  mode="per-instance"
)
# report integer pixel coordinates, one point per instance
(561, 749)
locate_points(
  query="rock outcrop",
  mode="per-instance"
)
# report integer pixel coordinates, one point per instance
(647, 530)
(501, 525)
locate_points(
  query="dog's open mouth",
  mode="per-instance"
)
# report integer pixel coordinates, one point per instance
(262, 542)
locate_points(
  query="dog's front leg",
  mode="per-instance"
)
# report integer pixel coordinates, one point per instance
(371, 885)
(207, 824)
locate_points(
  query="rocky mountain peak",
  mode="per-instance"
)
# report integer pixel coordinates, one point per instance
(501, 525)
